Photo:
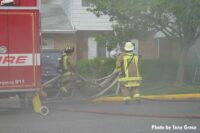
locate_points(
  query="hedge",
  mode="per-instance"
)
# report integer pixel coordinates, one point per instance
(151, 70)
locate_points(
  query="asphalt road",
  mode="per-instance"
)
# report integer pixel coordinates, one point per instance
(75, 117)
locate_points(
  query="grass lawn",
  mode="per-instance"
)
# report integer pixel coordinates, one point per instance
(166, 88)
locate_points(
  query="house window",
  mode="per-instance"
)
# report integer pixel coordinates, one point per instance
(92, 48)
(85, 3)
(47, 43)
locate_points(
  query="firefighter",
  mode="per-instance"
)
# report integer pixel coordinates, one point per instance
(66, 70)
(65, 61)
(127, 66)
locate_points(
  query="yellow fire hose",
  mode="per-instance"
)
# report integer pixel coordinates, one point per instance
(175, 97)
(114, 113)
(100, 98)
(36, 101)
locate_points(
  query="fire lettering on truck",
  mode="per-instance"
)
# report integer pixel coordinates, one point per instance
(19, 59)
(8, 59)
(14, 59)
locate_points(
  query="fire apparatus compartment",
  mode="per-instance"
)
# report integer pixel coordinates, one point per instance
(19, 50)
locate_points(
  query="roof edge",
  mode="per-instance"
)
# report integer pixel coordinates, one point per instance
(59, 31)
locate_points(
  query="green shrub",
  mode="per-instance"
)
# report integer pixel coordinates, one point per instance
(151, 70)
(96, 68)
(158, 70)
(192, 68)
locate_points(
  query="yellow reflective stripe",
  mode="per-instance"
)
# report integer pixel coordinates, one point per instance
(136, 64)
(131, 79)
(126, 59)
(65, 62)
(132, 84)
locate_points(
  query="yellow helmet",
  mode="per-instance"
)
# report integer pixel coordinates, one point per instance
(128, 46)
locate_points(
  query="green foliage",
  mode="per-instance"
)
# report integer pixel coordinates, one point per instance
(158, 70)
(96, 68)
(158, 75)
(163, 90)
(151, 70)
(107, 40)
(191, 67)
(177, 19)
(109, 47)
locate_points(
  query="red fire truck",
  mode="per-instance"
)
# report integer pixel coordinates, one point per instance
(19, 47)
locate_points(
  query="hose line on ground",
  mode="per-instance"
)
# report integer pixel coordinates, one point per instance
(106, 89)
(197, 116)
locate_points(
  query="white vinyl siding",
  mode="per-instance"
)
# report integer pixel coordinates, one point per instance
(84, 20)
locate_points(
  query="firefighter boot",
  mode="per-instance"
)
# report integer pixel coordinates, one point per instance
(126, 93)
(136, 95)
(127, 100)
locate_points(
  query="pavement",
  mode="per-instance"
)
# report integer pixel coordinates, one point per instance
(85, 117)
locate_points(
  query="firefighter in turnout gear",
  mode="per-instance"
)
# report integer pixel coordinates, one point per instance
(65, 63)
(66, 70)
(128, 67)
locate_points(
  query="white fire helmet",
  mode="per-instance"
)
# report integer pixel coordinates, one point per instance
(128, 46)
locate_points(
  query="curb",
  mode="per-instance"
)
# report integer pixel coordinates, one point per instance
(174, 97)
(194, 96)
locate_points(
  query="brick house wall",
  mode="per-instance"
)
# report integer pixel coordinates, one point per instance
(61, 41)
